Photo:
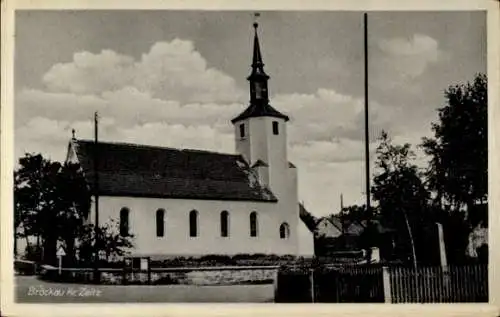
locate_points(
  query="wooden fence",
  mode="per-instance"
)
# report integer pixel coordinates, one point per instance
(349, 284)
(330, 284)
(453, 284)
(374, 283)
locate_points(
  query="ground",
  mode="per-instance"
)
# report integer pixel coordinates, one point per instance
(29, 289)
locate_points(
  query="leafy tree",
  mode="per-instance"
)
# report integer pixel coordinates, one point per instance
(399, 191)
(109, 242)
(458, 168)
(52, 201)
(35, 199)
(353, 213)
(74, 205)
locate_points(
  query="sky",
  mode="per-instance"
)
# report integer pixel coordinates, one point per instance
(176, 78)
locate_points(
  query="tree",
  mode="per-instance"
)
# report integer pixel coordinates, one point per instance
(110, 242)
(73, 201)
(399, 191)
(458, 167)
(52, 201)
(353, 213)
(35, 199)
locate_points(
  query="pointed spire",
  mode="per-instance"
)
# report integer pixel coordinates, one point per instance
(257, 56)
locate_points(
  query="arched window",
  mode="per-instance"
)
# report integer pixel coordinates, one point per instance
(193, 223)
(284, 231)
(124, 221)
(160, 223)
(254, 225)
(224, 224)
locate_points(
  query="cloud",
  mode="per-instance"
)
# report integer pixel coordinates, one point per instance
(401, 60)
(170, 71)
(339, 150)
(50, 137)
(90, 73)
(201, 137)
(128, 106)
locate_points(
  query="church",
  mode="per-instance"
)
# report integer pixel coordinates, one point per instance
(182, 202)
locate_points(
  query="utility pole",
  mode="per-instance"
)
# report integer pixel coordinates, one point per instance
(96, 197)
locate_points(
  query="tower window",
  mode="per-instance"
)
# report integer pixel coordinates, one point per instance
(224, 224)
(124, 221)
(242, 130)
(258, 91)
(276, 130)
(254, 225)
(284, 231)
(160, 223)
(193, 223)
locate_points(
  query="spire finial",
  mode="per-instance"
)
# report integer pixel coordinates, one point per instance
(255, 24)
(257, 57)
(73, 134)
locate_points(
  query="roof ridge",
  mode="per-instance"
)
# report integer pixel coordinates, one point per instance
(147, 146)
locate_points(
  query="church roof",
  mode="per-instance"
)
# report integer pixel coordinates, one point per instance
(259, 110)
(149, 171)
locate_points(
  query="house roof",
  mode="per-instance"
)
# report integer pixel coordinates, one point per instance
(149, 171)
(336, 221)
(307, 218)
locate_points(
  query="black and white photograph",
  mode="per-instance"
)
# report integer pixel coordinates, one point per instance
(250, 156)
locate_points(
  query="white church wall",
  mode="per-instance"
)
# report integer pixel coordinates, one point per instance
(176, 241)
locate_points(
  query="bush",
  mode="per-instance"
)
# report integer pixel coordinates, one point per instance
(33, 253)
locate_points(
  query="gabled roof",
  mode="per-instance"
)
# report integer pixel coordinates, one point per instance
(336, 221)
(149, 171)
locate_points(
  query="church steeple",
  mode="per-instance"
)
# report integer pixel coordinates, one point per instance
(258, 78)
(259, 93)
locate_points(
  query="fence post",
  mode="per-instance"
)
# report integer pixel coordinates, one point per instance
(386, 278)
(311, 278)
(275, 284)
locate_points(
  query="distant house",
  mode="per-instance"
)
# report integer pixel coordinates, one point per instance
(354, 228)
(329, 227)
(334, 235)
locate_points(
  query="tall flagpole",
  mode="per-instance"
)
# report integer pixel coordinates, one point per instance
(96, 196)
(367, 136)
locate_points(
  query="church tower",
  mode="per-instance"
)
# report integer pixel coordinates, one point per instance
(260, 130)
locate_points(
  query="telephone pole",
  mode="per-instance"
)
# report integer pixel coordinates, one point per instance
(96, 197)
